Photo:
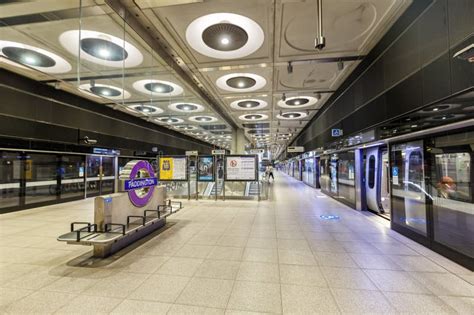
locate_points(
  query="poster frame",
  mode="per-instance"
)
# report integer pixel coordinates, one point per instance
(241, 180)
(173, 180)
(199, 169)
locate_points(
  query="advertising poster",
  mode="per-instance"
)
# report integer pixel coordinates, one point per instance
(173, 168)
(206, 168)
(241, 167)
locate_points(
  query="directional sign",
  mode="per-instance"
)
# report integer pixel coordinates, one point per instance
(218, 152)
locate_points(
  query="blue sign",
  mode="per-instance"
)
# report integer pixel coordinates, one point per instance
(394, 171)
(336, 132)
(329, 217)
(140, 183)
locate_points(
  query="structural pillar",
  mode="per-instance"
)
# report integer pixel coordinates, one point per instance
(238, 141)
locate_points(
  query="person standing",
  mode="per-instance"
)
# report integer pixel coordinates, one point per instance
(270, 172)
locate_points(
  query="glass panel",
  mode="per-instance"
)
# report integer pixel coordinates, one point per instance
(108, 175)
(453, 208)
(72, 176)
(93, 176)
(10, 176)
(408, 187)
(333, 173)
(41, 175)
(346, 176)
(371, 171)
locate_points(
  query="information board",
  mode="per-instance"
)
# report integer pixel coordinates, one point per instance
(173, 168)
(240, 168)
(206, 168)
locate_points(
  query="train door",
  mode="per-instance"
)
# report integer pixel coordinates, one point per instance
(385, 184)
(372, 180)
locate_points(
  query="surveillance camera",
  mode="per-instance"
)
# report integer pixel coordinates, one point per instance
(86, 140)
(319, 42)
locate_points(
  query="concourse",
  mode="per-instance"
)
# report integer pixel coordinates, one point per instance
(237, 157)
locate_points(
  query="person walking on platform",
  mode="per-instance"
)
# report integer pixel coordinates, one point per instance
(269, 172)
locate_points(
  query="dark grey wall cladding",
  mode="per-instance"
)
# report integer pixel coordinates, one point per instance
(411, 66)
(45, 113)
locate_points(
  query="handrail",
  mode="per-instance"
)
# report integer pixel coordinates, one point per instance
(157, 211)
(135, 216)
(109, 225)
(78, 232)
(74, 223)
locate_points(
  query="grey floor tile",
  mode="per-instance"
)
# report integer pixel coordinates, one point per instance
(180, 266)
(206, 292)
(362, 302)
(296, 257)
(256, 271)
(335, 260)
(444, 284)
(160, 288)
(255, 296)
(89, 304)
(347, 278)
(226, 253)
(179, 309)
(369, 261)
(462, 305)
(302, 275)
(42, 302)
(127, 307)
(194, 251)
(418, 303)
(9, 295)
(397, 281)
(416, 263)
(307, 300)
(119, 285)
(268, 255)
(218, 269)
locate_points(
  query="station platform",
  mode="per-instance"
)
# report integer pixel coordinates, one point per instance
(297, 252)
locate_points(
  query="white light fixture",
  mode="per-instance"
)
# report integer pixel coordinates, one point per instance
(299, 102)
(292, 115)
(70, 41)
(248, 102)
(186, 107)
(60, 64)
(253, 117)
(140, 86)
(196, 28)
(86, 88)
(203, 119)
(260, 82)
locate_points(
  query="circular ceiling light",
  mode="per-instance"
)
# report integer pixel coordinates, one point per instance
(257, 131)
(101, 48)
(186, 107)
(224, 35)
(34, 57)
(197, 133)
(241, 82)
(203, 119)
(445, 117)
(253, 117)
(103, 90)
(434, 109)
(157, 88)
(145, 109)
(185, 127)
(284, 135)
(297, 102)
(169, 120)
(248, 104)
(292, 115)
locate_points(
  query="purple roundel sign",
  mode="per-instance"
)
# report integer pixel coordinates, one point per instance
(135, 185)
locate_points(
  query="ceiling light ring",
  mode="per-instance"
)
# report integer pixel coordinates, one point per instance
(70, 41)
(133, 108)
(261, 104)
(196, 119)
(301, 115)
(86, 88)
(260, 82)
(262, 117)
(196, 28)
(311, 101)
(174, 107)
(61, 65)
(140, 87)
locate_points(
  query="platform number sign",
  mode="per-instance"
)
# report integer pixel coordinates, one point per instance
(336, 132)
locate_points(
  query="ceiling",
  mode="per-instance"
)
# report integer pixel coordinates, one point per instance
(252, 63)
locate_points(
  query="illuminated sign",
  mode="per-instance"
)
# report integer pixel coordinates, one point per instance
(140, 183)
(336, 132)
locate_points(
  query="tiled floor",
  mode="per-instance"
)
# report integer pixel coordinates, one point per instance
(231, 257)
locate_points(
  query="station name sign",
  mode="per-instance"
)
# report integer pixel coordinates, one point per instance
(140, 183)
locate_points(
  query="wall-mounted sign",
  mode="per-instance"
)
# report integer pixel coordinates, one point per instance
(336, 132)
(240, 168)
(140, 181)
(206, 168)
(295, 149)
(105, 151)
(189, 153)
(173, 168)
(395, 175)
(218, 152)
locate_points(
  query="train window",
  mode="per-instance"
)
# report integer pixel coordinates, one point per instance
(452, 176)
(371, 174)
(415, 171)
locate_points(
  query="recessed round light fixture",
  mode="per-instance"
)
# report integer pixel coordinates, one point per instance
(169, 120)
(297, 102)
(186, 107)
(185, 127)
(104, 90)
(292, 115)
(197, 133)
(469, 108)
(157, 88)
(101, 48)
(284, 135)
(224, 35)
(435, 109)
(253, 117)
(145, 109)
(241, 82)
(34, 57)
(248, 104)
(445, 117)
(203, 119)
